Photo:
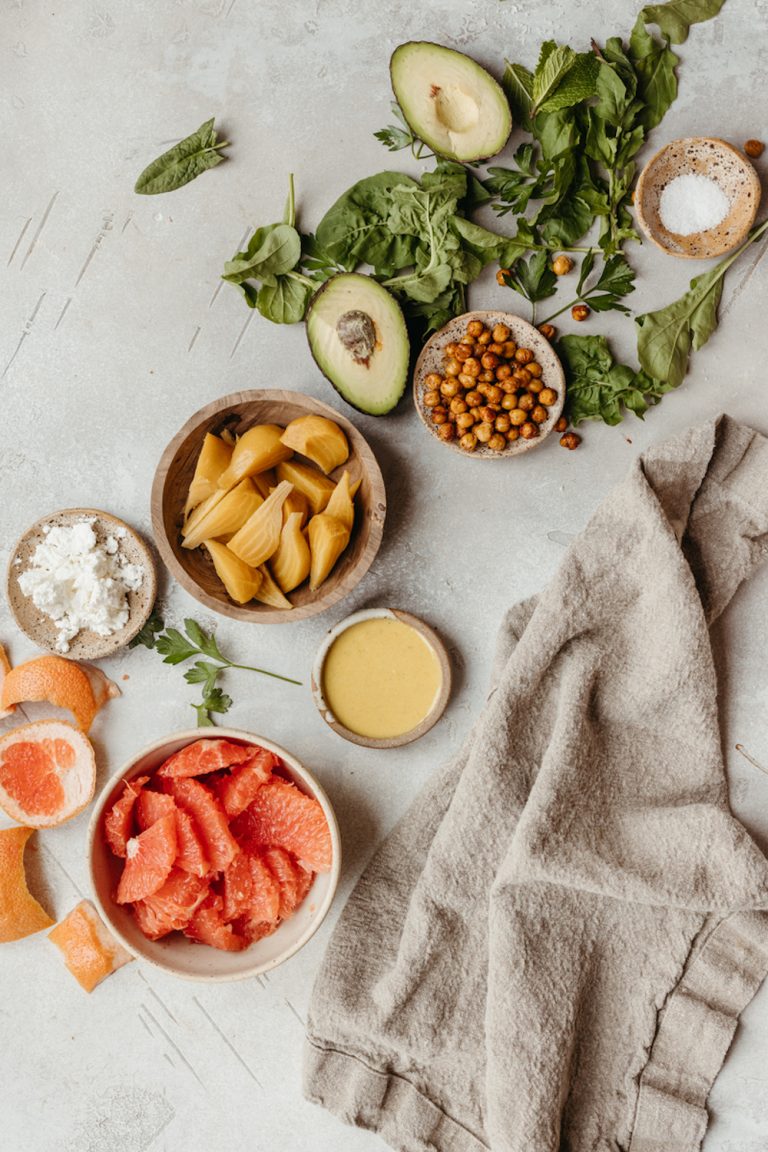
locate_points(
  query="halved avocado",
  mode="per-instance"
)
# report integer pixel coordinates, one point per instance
(449, 101)
(357, 335)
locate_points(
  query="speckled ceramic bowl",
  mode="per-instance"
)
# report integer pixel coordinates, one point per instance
(702, 156)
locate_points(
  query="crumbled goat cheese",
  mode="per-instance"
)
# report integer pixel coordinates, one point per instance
(693, 203)
(79, 583)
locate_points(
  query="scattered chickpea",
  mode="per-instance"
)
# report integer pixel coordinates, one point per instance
(562, 265)
(509, 401)
(497, 442)
(502, 423)
(446, 431)
(483, 431)
(539, 414)
(571, 440)
(524, 356)
(529, 431)
(465, 420)
(501, 277)
(500, 333)
(754, 148)
(458, 405)
(547, 396)
(452, 367)
(474, 399)
(468, 442)
(561, 425)
(517, 417)
(439, 415)
(475, 328)
(534, 368)
(548, 331)
(526, 402)
(431, 399)
(580, 311)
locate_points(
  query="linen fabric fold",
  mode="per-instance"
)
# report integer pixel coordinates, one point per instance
(552, 949)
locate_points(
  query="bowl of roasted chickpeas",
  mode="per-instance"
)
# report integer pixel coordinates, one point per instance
(489, 385)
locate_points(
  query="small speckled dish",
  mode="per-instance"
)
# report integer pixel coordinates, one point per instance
(526, 336)
(441, 700)
(701, 156)
(41, 629)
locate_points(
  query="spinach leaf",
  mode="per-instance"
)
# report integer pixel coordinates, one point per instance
(271, 252)
(286, 301)
(355, 230)
(183, 162)
(675, 18)
(600, 389)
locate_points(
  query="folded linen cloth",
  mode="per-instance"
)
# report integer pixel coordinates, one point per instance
(551, 951)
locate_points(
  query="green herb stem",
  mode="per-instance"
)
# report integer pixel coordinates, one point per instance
(263, 671)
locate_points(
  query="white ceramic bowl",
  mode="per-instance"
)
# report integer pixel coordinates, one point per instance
(175, 953)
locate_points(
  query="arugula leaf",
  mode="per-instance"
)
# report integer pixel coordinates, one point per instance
(675, 18)
(147, 634)
(183, 162)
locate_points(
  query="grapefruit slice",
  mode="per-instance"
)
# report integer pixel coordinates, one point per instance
(149, 858)
(207, 926)
(293, 881)
(238, 789)
(250, 889)
(20, 913)
(254, 930)
(280, 815)
(90, 952)
(118, 822)
(5, 667)
(173, 905)
(205, 756)
(47, 773)
(209, 818)
(60, 682)
(190, 853)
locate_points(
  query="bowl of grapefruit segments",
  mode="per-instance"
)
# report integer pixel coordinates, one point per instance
(214, 856)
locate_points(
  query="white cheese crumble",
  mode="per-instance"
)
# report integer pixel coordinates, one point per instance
(79, 583)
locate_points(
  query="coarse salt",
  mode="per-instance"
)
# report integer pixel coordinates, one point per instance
(80, 583)
(693, 203)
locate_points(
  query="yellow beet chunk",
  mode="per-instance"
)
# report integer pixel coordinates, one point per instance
(194, 518)
(296, 502)
(240, 580)
(259, 537)
(328, 537)
(291, 563)
(213, 460)
(257, 450)
(341, 504)
(228, 515)
(265, 482)
(269, 593)
(319, 439)
(311, 483)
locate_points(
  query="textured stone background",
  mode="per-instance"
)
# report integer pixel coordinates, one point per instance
(115, 329)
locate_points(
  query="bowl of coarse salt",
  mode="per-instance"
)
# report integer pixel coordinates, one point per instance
(81, 582)
(697, 197)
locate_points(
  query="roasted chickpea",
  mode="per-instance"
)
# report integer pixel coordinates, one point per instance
(450, 387)
(508, 385)
(472, 367)
(503, 372)
(561, 425)
(446, 432)
(474, 328)
(484, 337)
(580, 311)
(494, 394)
(439, 415)
(487, 377)
(468, 442)
(535, 386)
(517, 417)
(501, 277)
(571, 440)
(465, 380)
(497, 442)
(509, 401)
(753, 148)
(508, 349)
(534, 368)
(512, 435)
(526, 402)
(458, 405)
(431, 399)
(547, 396)
(464, 351)
(495, 348)
(500, 333)
(465, 420)
(524, 356)
(523, 377)
(529, 431)
(483, 431)
(452, 367)
(487, 414)
(562, 265)
(548, 331)
(450, 349)
(474, 399)
(539, 414)
(432, 381)
(490, 360)
(502, 423)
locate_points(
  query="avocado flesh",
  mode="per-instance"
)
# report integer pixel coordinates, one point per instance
(450, 102)
(357, 335)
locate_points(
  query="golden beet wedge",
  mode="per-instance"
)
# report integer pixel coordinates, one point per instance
(214, 459)
(319, 439)
(269, 593)
(328, 537)
(296, 502)
(240, 580)
(259, 537)
(291, 563)
(227, 515)
(341, 504)
(257, 450)
(307, 480)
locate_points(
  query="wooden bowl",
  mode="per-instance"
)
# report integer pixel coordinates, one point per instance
(524, 334)
(193, 568)
(703, 156)
(435, 711)
(175, 953)
(86, 645)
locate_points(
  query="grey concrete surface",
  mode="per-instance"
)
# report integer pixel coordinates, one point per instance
(115, 328)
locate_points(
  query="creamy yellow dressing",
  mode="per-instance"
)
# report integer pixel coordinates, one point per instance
(381, 678)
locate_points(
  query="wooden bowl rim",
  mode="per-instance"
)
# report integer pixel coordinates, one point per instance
(645, 180)
(263, 614)
(91, 646)
(441, 700)
(553, 367)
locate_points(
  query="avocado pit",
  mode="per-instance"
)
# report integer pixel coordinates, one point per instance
(357, 332)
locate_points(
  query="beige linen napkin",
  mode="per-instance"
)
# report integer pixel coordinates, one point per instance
(551, 951)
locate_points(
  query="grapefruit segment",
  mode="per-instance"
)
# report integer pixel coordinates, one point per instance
(280, 815)
(209, 818)
(90, 952)
(171, 908)
(60, 682)
(190, 853)
(293, 881)
(205, 756)
(239, 788)
(207, 926)
(152, 806)
(5, 667)
(118, 822)
(149, 858)
(250, 889)
(20, 913)
(47, 773)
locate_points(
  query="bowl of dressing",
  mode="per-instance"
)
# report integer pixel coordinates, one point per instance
(381, 678)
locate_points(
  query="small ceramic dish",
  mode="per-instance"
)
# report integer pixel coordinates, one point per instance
(432, 359)
(441, 699)
(175, 953)
(702, 156)
(193, 568)
(86, 645)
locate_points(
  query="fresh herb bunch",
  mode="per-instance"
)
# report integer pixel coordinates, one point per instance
(176, 648)
(183, 162)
